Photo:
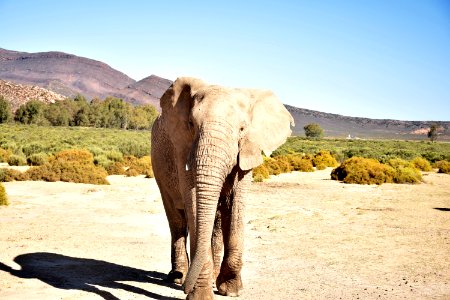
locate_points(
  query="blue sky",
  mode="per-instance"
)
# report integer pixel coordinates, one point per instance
(374, 58)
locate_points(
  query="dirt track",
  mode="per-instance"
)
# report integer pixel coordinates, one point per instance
(307, 237)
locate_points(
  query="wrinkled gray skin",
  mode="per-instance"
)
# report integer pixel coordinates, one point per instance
(204, 146)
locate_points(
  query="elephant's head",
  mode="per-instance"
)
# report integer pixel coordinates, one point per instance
(214, 129)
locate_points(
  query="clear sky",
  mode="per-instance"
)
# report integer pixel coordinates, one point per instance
(374, 58)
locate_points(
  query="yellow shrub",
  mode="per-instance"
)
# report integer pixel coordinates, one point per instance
(7, 175)
(363, 171)
(443, 166)
(4, 155)
(300, 163)
(324, 159)
(3, 196)
(116, 168)
(138, 166)
(75, 155)
(70, 166)
(421, 164)
(272, 166)
(407, 175)
(261, 172)
(399, 163)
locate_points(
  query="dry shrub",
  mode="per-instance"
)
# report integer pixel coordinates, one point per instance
(8, 175)
(363, 171)
(70, 166)
(4, 155)
(80, 156)
(116, 168)
(301, 163)
(272, 166)
(405, 171)
(138, 166)
(421, 164)
(407, 175)
(258, 178)
(399, 163)
(324, 159)
(443, 166)
(283, 163)
(260, 173)
(17, 160)
(3, 196)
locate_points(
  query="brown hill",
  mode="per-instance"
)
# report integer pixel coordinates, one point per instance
(69, 75)
(335, 125)
(18, 94)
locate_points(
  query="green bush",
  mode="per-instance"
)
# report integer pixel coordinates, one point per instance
(114, 155)
(37, 159)
(363, 171)
(17, 160)
(3, 196)
(8, 175)
(32, 148)
(102, 160)
(324, 159)
(443, 166)
(421, 164)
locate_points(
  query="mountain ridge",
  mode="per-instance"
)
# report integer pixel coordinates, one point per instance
(69, 75)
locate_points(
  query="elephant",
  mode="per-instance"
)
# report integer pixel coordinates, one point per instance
(205, 143)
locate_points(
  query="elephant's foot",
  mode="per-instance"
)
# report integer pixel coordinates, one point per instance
(176, 276)
(229, 287)
(203, 293)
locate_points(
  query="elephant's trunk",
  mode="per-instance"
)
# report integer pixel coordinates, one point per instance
(212, 165)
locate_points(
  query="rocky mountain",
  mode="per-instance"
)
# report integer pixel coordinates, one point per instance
(18, 94)
(69, 75)
(335, 125)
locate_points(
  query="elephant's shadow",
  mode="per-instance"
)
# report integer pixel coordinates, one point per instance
(72, 273)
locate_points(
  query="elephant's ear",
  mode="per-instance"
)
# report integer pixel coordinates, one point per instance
(270, 125)
(176, 104)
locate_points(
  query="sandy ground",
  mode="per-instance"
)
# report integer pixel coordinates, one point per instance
(307, 237)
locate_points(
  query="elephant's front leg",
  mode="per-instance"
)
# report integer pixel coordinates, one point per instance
(229, 281)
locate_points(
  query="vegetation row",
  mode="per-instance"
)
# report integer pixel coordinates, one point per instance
(79, 166)
(108, 113)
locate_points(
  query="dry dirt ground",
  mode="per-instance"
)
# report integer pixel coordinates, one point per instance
(307, 237)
